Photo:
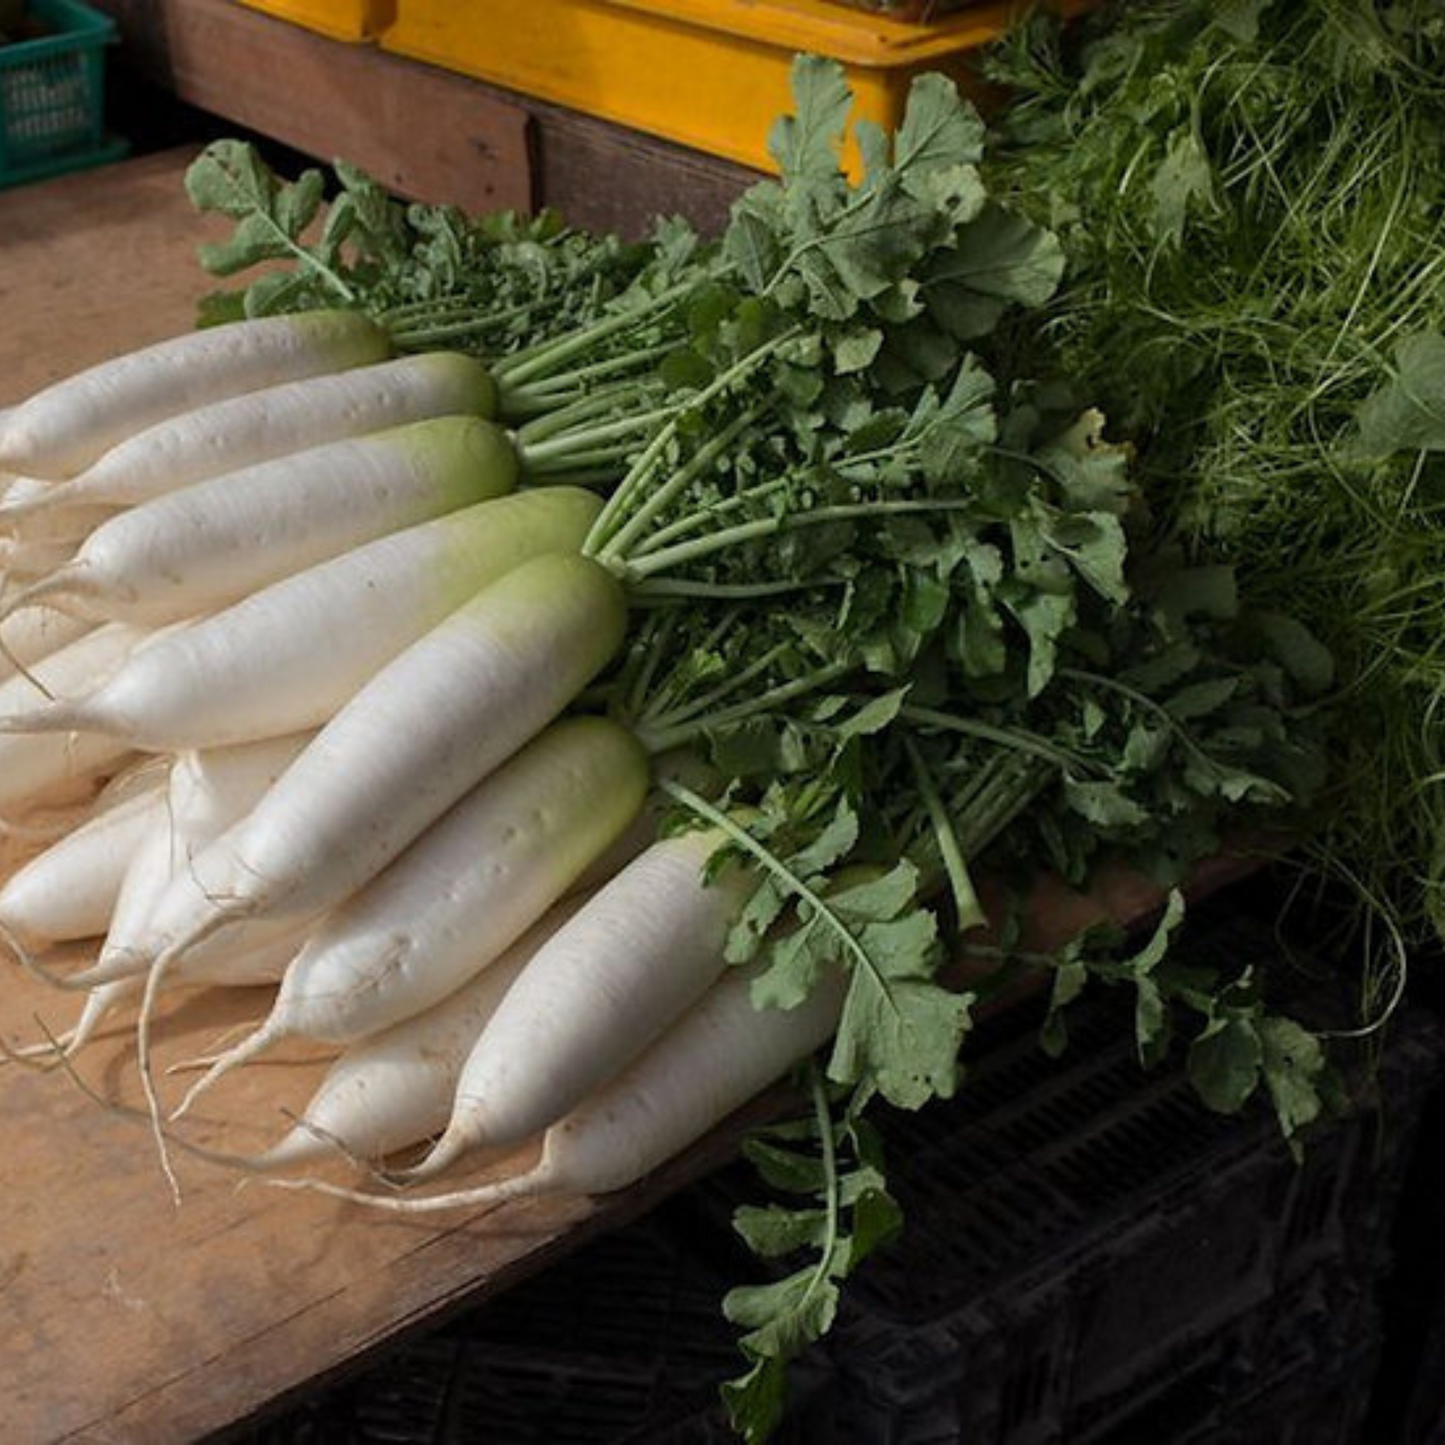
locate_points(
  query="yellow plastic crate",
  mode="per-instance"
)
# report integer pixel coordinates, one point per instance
(709, 74)
(354, 20)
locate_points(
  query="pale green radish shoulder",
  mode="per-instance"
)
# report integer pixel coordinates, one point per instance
(274, 421)
(210, 544)
(289, 656)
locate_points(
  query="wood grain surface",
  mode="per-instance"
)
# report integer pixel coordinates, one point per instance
(126, 1318)
(95, 262)
(425, 131)
(422, 132)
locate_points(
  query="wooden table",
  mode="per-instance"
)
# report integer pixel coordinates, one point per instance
(125, 1319)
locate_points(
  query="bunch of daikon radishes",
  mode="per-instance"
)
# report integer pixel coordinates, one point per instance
(581, 736)
(294, 576)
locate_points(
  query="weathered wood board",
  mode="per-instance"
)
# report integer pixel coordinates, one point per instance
(422, 132)
(95, 262)
(122, 1317)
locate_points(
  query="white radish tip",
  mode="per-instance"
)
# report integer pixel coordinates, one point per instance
(519, 1186)
(460, 1135)
(57, 716)
(253, 1044)
(34, 500)
(68, 577)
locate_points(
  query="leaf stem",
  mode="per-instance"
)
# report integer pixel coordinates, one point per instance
(697, 464)
(1014, 738)
(586, 438)
(660, 741)
(833, 1200)
(736, 680)
(706, 516)
(641, 471)
(665, 587)
(790, 881)
(965, 895)
(542, 360)
(684, 552)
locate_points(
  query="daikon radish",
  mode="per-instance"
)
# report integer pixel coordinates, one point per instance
(68, 425)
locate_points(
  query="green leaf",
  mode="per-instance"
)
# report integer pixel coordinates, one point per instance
(1407, 413)
(256, 238)
(1096, 548)
(1293, 1064)
(875, 715)
(939, 129)
(1070, 977)
(903, 1037)
(785, 1316)
(1199, 592)
(830, 844)
(772, 1231)
(999, 255)
(786, 1169)
(807, 144)
(217, 308)
(794, 963)
(751, 242)
(1105, 805)
(1151, 1022)
(277, 292)
(1183, 182)
(879, 898)
(1199, 699)
(762, 909)
(855, 349)
(1240, 18)
(1156, 947)
(230, 177)
(1044, 616)
(685, 369)
(1298, 651)
(1224, 1062)
(755, 1401)
(297, 205)
(877, 1220)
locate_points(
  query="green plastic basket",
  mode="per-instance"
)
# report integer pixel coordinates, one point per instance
(52, 94)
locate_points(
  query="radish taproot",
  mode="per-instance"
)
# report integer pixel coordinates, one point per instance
(35, 632)
(34, 766)
(65, 427)
(206, 792)
(713, 1060)
(69, 891)
(429, 726)
(244, 430)
(287, 657)
(65, 524)
(647, 945)
(413, 741)
(462, 893)
(209, 544)
(395, 1088)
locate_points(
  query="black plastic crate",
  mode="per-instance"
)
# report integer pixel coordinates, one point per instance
(1090, 1257)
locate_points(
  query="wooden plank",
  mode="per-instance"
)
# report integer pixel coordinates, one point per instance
(608, 178)
(127, 1319)
(93, 261)
(423, 132)
(480, 147)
